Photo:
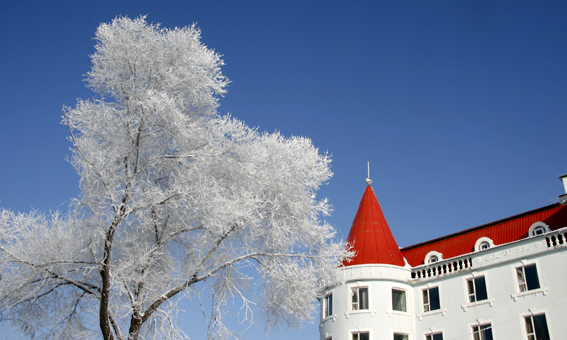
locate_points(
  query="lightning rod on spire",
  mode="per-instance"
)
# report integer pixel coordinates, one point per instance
(368, 180)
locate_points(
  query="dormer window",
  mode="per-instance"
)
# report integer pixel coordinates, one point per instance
(433, 256)
(538, 228)
(483, 243)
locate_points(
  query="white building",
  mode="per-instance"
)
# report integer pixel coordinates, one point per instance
(502, 280)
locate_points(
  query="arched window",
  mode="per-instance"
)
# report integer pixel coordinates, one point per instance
(483, 243)
(433, 256)
(538, 228)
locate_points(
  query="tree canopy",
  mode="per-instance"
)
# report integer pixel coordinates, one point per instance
(173, 196)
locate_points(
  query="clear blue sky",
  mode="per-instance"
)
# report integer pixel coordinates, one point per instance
(460, 106)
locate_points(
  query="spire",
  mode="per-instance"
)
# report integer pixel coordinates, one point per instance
(370, 235)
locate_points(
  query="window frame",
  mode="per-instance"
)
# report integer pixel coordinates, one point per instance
(405, 300)
(433, 257)
(479, 331)
(363, 298)
(427, 308)
(401, 334)
(536, 227)
(483, 243)
(533, 335)
(358, 333)
(524, 279)
(327, 306)
(432, 336)
(472, 284)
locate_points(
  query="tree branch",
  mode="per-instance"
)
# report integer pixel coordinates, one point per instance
(86, 287)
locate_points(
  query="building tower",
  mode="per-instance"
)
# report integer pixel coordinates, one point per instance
(357, 309)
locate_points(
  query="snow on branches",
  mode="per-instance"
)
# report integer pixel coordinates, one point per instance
(173, 195)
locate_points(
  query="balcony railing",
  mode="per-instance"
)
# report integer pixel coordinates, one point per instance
(441, 268)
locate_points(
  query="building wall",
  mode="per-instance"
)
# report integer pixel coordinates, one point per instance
(379, 279)
(504, 308)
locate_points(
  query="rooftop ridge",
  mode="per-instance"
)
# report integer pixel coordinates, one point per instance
(482, 226)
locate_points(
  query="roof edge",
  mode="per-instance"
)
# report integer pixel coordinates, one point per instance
(547, 207)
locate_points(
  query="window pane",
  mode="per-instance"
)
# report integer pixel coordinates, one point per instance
(328, 310)
(531, 277)
(434, 298)
(364, 336)
(482, 332)
(399, 300)
(521, 279)
(400, 337)
(486, 332)
(363, 298)
(540, 324)
(470, 286)
(529, 326)
(476, 333)
(436, 336)
(480, 285)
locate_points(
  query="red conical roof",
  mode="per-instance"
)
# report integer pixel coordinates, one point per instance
(370, 235)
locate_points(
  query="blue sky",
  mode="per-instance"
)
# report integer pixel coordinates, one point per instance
(459, 106)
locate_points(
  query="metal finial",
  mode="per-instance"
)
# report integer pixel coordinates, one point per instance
(368, 180)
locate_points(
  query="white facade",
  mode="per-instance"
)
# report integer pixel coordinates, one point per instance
(503, 275)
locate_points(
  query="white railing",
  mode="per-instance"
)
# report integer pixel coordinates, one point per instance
(441, 268)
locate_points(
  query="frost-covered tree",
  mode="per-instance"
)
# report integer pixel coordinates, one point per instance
(176, 200)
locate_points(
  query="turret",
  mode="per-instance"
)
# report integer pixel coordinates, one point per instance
(375, 293)
(370, 236)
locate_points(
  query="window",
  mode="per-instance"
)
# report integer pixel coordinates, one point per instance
(399, 300)
(436, 336)
(359, 298)
(477, 289)
(431, 299)
(538, 228)
(328, 306)
(536, 327)
(482, 332)
(399, 336)
(527, 278)
(361, 336)
(433, 257)
(483, 243)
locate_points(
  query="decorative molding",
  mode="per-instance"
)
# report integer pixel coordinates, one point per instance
(544, 291)
(466, 306)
